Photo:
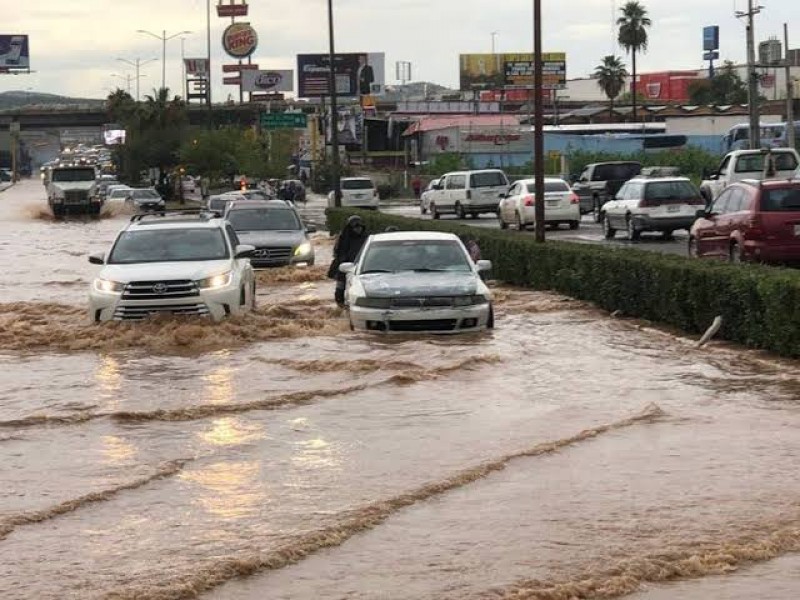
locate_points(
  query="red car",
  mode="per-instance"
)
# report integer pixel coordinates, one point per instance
(751, 221)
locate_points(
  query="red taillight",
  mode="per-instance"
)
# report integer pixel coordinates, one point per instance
(574, 199)
(529, 200)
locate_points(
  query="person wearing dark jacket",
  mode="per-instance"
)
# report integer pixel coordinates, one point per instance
(347, 247)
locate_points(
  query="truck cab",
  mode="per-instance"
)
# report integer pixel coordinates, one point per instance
(775, 163)
(73, 189)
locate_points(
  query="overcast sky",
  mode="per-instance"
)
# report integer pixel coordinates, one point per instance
(74, 44)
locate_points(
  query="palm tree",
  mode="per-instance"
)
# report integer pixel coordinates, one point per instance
(611, 74)
(632, 36)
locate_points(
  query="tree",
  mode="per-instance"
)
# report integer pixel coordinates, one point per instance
(611, 74)
(725, 88)
(632, 36)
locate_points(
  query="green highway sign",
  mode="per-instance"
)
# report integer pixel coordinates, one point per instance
(283, 121)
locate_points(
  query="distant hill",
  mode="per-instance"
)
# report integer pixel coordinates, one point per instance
(20, 99)
(418, 90)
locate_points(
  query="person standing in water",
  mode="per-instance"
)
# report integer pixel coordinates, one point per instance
(348, 245)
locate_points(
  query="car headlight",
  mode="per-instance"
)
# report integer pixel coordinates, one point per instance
(216, 281)
(302, 249)
(374, 302)
(470, 300)
(108, 286)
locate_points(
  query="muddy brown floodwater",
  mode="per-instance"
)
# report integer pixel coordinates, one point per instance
(278, 455)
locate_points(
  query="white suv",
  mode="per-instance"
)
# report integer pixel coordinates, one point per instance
(357, 192)
(468, 193)
(176, 264)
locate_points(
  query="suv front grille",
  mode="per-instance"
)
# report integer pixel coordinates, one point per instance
(423, 302)
(135, 313)
(272, 255)
(76, 197)
(160, 290)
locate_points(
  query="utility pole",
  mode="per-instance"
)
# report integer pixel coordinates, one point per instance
(337, 184)
(790, 132)
(752, 77)
(538, 125)
(494, 35)
(164, 39)
(208, 60)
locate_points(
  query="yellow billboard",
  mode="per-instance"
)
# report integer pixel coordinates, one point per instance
(511, 70)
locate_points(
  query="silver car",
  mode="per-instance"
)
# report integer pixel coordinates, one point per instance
(275, 229)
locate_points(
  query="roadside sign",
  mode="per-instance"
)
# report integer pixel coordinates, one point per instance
(232, 10)
(235, 68)
(232, 80)
(284, 121)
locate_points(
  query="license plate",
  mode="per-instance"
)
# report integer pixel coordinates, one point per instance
(552, 202)
(673, 209)
(797, 230)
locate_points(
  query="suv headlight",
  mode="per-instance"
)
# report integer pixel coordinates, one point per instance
(108, 286)
(302, 249)
(469, 300)
(216, 281)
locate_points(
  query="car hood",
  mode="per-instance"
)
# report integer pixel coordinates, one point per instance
(165, 271)
(271, 238)
(388, 285)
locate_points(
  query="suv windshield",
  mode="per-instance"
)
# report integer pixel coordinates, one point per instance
(263, 219)
(415, 255)
(781, 200)
(145, 194)
(616, 172)
(490, 179)
(79, 174)
(169, 245)
(356, 184)
(670, 190)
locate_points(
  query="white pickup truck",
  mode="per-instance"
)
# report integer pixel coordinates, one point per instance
(776, 163)
(73, 189)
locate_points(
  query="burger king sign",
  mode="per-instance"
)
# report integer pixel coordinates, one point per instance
(239, 40)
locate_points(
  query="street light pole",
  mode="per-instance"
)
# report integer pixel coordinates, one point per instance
(493, 34)
(208, 57)
(164, 39)
(337, 184)
(538, 123)
(137, 64)
(183, 68)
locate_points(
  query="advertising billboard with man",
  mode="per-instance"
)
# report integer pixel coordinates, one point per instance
(357, 74)
(14, 53)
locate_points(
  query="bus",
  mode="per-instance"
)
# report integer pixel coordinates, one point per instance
(773, 135)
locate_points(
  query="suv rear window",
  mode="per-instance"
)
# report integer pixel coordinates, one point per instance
(490, 179)
(754, 163)
(670, 190)
(781, 200)
(357, 184)
(550, 186)
(616, 172)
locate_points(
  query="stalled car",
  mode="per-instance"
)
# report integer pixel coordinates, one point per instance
(417, 282)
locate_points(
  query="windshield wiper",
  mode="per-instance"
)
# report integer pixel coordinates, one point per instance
(432, 271)
(376, 271)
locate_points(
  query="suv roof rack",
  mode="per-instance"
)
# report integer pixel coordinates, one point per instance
(201, 213)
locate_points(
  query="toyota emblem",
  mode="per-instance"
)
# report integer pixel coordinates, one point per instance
(160, 288)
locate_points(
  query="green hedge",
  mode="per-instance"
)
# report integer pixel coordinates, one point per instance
(760, 306)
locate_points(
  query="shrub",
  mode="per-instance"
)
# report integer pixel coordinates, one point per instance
(760, 306)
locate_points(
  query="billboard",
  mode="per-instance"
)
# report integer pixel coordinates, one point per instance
(268, 81)
(711, 38)
(196, 66)
(357, 74)
(350, 125)
(14, 52)
(500, 71)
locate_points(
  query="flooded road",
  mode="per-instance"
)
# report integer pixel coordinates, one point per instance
(278, 455)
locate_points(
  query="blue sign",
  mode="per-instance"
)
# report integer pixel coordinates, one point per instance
(711, 38)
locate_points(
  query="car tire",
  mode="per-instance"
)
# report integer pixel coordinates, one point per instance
(519, 223)
(574, 225)
(608, 231)
(474, 215)
(434, 211)
(691, 247)
(633, 233)
(460, 212)
(422, 210)
(503, 224)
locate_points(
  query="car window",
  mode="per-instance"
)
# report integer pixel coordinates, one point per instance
(513, 190)
(415, 255)
(488, 179)
(456, 182)
(169, 245)
(634, 191)
(623, 192)
(584, 176)
(264, 219)
(550, 187)
(145, 194)
(754, 163)
(781, 200)
(720, 206)
(670, 190)
(723, 168)
(234, 239)
(357, 184)
(621, 172)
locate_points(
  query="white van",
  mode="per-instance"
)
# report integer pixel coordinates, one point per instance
(357, 192)
(468, 193)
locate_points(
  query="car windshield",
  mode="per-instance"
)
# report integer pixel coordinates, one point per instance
(670, 190)
(781, 200)
(71, 175)
(264, 219)
(145, 194)
(415, 255)
(490, 179)
(754, 163)
(119, 193)
(616, 172)
(550, 187)
(356, 184)
(169, 245)
(219, 203)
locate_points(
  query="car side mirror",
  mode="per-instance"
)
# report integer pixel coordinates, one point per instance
(484, 266)
(97, 259)
(311, 228)
(244, 250)
(347, 267)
